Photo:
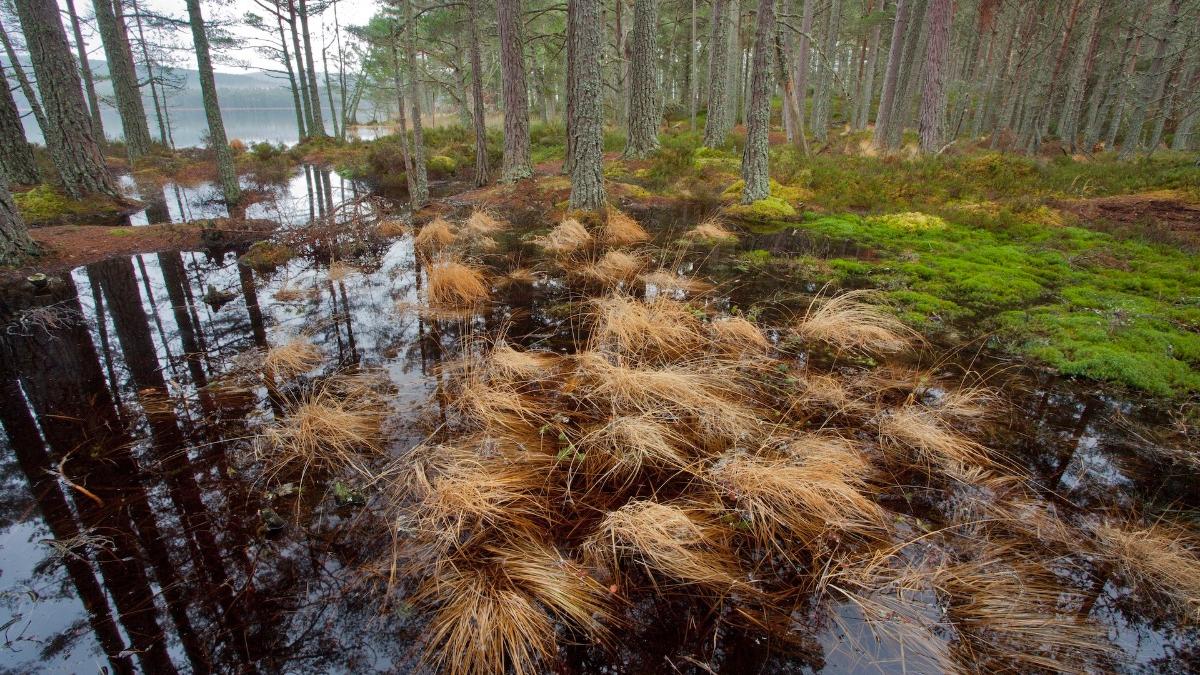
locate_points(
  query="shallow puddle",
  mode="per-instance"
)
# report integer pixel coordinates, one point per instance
(139, 532)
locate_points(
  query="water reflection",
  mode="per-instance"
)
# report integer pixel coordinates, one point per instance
(132, 536)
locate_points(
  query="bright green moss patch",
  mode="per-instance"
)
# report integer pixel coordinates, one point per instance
(45, 205)
(1082, 302)
(771, 208)
(441, 165)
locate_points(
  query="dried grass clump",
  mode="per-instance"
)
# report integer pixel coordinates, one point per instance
(296, 357)
(711, 230)
(820, 490)
(971, 403)
(921, 432)
(677, 542)
(455, 285)
(507, 364)
(289, 294)
(521, 276)
(737, 335)
(568, 237)
(622, 230)
(500, 406)
(848, 322)
(1017, 615)
(658, 328)
(666, 281)
(615, 267)
(436, 234)
(390, 228)
(473, 499)
(339, 271)
(626, 446)
(1160, 557)
(483, 223)
(335, 426)
(710, 396)
(497, 614)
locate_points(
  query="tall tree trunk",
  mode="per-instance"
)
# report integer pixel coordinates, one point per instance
(23, 81)
(569, 161)
(405, 153)
(85, 69)
(420, 178)
(719, 120)
(823, 94)
(758, 123)
(318, 123)
(15, 243)
(1077, 79)
(333, 109)
(693, 77)
(867, 95)
(933, 99)
(1187, 123)
(124, 80)
(212, 108)
(901, 107)
(291, 73)
(891, 81)
(1152, 82)
(151, 79)
(803, 58)
(69, 127)
(791, 105)
(509, 19)
(16, 156)
(643, 82)
(481, 156)
(301, 74)
(586, 126)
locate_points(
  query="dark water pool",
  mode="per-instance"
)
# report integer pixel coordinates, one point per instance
(132, 530)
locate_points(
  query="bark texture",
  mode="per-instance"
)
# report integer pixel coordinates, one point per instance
(933, 98)
(481, 157)
(318, 123)
(68, 130)
(124, 79)
(587, 176)
(15, 243)
(887, 100)
(85, 69)
(823, 94)
(420, 195)
(517, 164)
(643, 82)
(212, 108)
(720, 113)
(1152, 83)
(758, 121)
(16, 157)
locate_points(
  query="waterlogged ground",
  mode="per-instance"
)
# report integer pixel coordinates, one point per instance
(137, 531)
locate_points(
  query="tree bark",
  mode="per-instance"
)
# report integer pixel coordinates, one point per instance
(314, 95)
(823, 95)
(1068, 121)
(1152, 83)
(23, 80)
(420, 179)
(933, 99)
(212, 108)
(291, 74)
(405, 153)
(154, 97)
(69, 132)
(719, 120)
(867, 95)
(887, 101)
(124, 80)
(509, 19)
(643, 84)
(587, 175)
(85, 69)
(16, 156)
(15, 243)
(758, 123)
(902, 105)
(481, 156)
(693, 77)
(301, 75)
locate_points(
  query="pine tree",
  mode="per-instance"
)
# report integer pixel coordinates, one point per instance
(124, 79)
(517, 164)
(643, 82)
(226, 173)
(586, 125)
(758, 123)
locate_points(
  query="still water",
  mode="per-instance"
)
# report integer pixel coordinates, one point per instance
(132, 531)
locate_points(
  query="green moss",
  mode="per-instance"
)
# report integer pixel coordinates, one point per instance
(771, 208)
(45, 205)
(441, 165)
(265, 256)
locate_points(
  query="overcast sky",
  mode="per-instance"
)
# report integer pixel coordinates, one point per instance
(350, 13)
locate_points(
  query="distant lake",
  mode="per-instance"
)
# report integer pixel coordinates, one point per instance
(189, 126)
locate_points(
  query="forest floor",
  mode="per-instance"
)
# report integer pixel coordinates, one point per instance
(1085, 264)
